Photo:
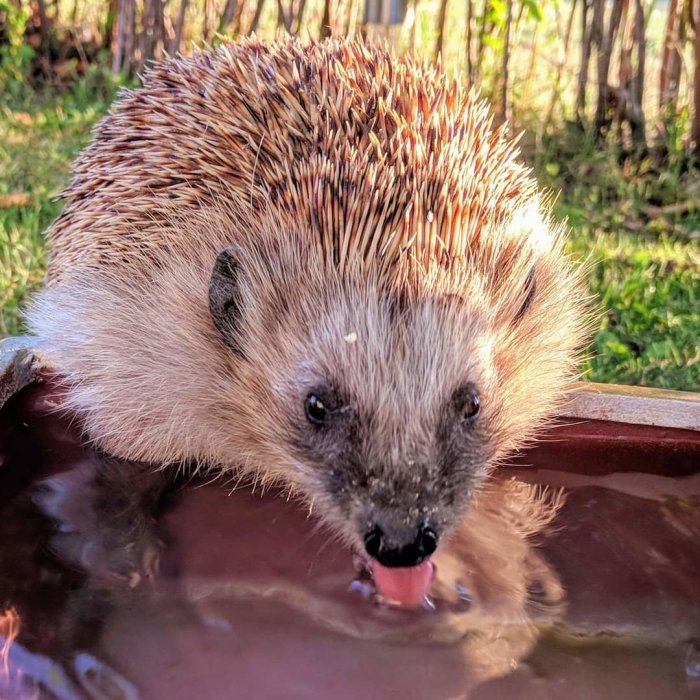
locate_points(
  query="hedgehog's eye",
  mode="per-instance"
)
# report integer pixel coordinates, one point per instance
(466, 403)
(470, 409)
(316, 411)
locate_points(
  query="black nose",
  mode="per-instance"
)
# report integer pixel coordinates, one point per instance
(393, 555)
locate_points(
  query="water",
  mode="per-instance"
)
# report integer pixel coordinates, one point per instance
(111, 589)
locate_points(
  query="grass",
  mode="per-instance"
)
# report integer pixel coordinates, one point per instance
(41, 136)
(644, 266)
(644, 271)
(649, 297)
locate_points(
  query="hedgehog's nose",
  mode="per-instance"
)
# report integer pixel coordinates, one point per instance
(396, 554)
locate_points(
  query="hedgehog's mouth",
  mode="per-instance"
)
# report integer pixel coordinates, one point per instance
(405, 587)
(400, 567)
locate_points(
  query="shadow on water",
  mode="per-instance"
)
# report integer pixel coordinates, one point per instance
(117, 583)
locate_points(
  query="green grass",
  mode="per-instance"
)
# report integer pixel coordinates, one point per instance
(649, 297)
(644, 267)
(41, 136)
(644, 273)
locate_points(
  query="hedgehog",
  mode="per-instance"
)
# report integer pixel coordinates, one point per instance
(316, 265)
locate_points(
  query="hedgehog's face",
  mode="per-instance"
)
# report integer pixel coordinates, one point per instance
(380, 412)
(391, 422)
(392, 477)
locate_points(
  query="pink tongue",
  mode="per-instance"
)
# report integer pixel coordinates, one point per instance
(405, 587)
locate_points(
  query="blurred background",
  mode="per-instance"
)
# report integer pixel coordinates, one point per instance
(606, 93)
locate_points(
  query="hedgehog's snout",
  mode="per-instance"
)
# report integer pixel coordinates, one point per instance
(400, 549)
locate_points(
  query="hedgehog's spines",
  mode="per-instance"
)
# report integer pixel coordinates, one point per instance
(370, 124)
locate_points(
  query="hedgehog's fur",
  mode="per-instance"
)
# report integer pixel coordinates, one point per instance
(388, 244)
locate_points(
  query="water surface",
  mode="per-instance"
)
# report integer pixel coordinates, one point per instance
(112, 586)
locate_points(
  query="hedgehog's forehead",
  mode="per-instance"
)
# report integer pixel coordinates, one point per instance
(416, 353)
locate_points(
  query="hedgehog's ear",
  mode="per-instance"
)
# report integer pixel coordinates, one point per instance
(225, 296)
(530, 290)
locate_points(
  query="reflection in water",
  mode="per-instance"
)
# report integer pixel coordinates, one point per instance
(113, 573)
